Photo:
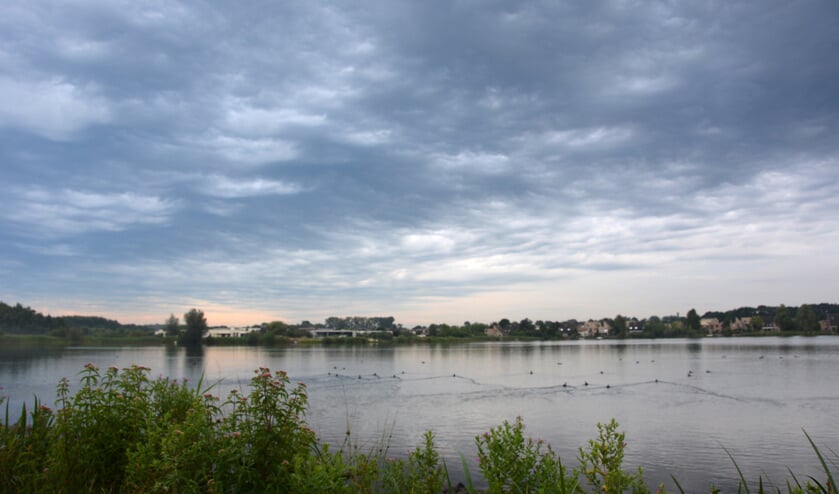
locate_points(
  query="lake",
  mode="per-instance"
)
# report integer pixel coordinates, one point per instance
(682, 403)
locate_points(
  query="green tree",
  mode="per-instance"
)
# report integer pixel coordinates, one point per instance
(693, 322)
(783, 319)
(196, 326)
(619, 325)
(756, 323)
(806, 319)
(172, 325)
(526, 326)
(277, 327)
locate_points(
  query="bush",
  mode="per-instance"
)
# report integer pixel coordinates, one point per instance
(124, 432)
(510, 463)
(601, 463)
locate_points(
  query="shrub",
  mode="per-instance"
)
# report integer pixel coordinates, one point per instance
(601, 463)
(510, 463)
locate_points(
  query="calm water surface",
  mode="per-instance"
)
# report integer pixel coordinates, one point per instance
(679, 401)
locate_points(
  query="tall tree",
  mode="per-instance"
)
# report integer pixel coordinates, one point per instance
(620, 326)
(783, 319)
(196, 326)
(526, 326)
(806, 319)
(693, 321)
(172, 325)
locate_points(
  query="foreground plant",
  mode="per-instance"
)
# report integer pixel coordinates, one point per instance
(122, 432)
(602, 463)
(511, 463)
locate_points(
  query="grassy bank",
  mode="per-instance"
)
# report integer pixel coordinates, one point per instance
(123, 432)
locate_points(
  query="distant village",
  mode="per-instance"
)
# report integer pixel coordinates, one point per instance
(765, 320)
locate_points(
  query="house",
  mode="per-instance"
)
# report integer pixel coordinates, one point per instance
(830, 324)
(493, 330)
(225, 332)
(770, 327)
(711, 324)
(594, 328)
(742, 324)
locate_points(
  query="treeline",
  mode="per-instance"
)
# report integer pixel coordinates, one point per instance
(24, 320)
(17, 319)
(786, 318)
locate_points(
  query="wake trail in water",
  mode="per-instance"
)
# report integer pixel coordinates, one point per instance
(740, 399)
(492, 390)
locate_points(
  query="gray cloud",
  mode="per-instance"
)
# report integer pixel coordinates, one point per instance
(54, 213)
(544, 159)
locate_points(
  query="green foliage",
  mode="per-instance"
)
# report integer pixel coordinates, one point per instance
(601, 463)
(511, 463)
(172, 325)
(196, 326)
(18, 319)
(425, 470)
(806, 319)
(693, 321)
(124, 432)
(783, 319)
(620, 328)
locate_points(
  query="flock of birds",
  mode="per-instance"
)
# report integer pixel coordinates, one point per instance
(375, 375)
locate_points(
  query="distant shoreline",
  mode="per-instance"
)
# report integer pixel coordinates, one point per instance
(104, 341)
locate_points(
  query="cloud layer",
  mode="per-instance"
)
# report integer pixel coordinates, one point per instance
(435, 162)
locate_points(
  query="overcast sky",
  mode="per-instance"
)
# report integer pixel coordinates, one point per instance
(437, 161)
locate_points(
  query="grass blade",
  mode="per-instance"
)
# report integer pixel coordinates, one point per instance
(830, 482)
(743, 483)
(470, 488)
(678, 486)
(794, 478)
